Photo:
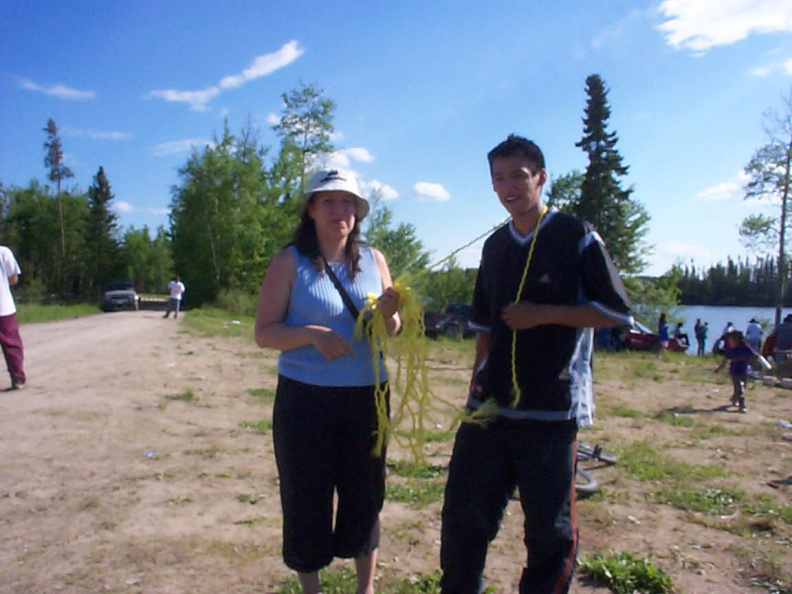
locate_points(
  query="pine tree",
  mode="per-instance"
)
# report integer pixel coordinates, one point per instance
(620, 220)
(102, 232)
(53, 160)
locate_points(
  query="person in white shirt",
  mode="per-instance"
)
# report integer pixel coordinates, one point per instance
(176, 288)
(10, 340)
(753, 335)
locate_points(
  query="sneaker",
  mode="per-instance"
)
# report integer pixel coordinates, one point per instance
(16, 385)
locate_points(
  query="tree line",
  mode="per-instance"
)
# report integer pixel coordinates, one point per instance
(739, 283)
(236, 202)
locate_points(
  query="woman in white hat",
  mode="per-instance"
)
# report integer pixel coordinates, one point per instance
(325, 414)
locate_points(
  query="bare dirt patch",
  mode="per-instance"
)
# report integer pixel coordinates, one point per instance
(138, 459)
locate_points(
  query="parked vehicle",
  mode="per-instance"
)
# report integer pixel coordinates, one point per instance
(778, 346)
(636, 338)
(120, 295)
(453, 322)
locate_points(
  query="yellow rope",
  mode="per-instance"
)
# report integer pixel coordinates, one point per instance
(412, 401)
(516, 391)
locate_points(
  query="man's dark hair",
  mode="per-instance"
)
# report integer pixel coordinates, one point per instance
(517, 145)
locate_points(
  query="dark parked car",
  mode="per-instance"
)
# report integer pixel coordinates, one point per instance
(453, 322)
(120, 295)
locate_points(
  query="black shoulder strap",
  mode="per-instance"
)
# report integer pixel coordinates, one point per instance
(344, 295)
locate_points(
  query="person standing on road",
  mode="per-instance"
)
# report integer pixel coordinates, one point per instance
(10, 340)
(176, 288)
(326, 408)
(544, 283)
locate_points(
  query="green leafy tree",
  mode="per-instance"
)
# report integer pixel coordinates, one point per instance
(620, 220)
(305, 127)
(564, 193)
(770, 173)
(452, 284)
(148, 260)
(404, 251)
(223, 224)
(102, 234)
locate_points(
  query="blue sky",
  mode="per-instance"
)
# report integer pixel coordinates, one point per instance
(423, 89)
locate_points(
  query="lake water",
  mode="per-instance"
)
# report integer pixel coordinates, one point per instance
(718, 317)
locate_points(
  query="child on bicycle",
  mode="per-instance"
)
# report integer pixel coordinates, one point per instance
(739, 354)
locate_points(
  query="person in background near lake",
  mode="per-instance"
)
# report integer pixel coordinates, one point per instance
(701, 330)
(176, 288)
(325, 414)
(662, 330)
(544, 283)
(738, 353)
(681, 336)
(10, 340)
(753, 334)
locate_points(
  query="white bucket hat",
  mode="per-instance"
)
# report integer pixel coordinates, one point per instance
(338, 180)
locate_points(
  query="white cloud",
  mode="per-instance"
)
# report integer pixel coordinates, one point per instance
(123, 206)
(177, 147)
(273, 119)
(728, 190)
(158, 211)
(97, 134)
(429, 192)
(385, 191)
(261, 66)
(59, 91)
(699, 25)
(761, 71)
(788, 67)
(342, 158)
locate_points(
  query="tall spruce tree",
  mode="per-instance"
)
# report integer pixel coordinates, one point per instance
(53, 160)
(620, 220)
(102, 233)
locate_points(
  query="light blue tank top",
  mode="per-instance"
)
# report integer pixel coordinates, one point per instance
(315, 300)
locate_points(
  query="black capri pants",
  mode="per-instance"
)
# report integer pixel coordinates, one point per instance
(324, 441)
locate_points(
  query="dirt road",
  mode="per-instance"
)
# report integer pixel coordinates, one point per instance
(139, 460)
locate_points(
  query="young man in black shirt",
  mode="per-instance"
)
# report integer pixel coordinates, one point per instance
(544, 283)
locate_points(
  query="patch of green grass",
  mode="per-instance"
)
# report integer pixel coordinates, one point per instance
(675, 419)
(342, 581)
(644, 463)
(413, 470)
(265, 395)
(617, 410)
(762, 505)
(30, 313)
(263, 426)
(717, 430)
(415, 492)
(211, 321)
(187, 396)
(252, 499)
(713, 501)
(625, 573)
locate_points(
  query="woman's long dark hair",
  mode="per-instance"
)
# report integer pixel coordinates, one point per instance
(307, 244)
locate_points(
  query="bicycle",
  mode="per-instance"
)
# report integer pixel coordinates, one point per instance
(585, 481)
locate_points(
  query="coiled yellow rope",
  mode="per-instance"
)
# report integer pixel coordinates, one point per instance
(414, 402)
(516, 390)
